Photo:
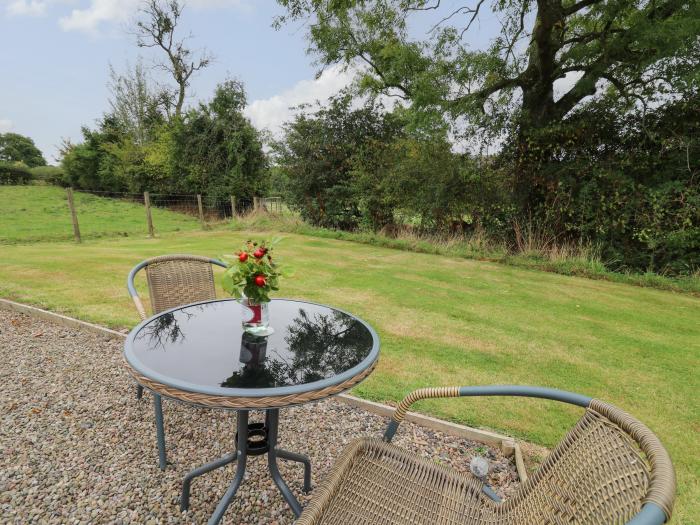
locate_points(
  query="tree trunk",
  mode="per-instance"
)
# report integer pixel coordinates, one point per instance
(180, 99)
(538, 107)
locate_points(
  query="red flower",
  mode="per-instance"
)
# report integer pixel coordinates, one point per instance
(243, 256)
(260, 280)
(258, 254)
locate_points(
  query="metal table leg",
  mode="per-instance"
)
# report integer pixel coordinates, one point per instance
(187, 482)
(160, 430)
(244, 448)
(272, 418)
(242, 454)
(299, 458)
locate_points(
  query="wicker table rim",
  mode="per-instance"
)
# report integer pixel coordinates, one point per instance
(247, 403)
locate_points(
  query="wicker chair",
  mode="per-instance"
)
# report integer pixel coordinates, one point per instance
(609, 469)
(173, 280)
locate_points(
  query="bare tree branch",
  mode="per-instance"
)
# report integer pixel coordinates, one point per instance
(475, 13)
(157, 28)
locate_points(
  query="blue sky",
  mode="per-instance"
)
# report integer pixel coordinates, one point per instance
(56, 54)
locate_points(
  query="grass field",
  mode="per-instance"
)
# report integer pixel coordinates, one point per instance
(442, 321)
(41, 213)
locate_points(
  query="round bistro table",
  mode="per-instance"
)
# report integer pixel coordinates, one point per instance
(199, 354)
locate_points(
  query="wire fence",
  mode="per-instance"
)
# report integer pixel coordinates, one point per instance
(55, 215)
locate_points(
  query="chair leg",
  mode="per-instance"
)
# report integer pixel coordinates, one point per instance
(160, 430)
(139, 391)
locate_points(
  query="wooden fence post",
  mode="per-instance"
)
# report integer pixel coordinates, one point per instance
(73, 214)
(256, 203)
(149, 218)
(233, 206)
(201, 210)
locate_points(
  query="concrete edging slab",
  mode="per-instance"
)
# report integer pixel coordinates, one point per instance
(507, 444)
(60, 319)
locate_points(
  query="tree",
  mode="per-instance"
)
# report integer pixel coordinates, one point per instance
(156, 29)
(635, 50)
(319, 154)
(18, 148)
(92, 164)
(217, 150)
(135, 103)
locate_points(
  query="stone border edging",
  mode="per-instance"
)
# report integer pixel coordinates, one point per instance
(60, 319)
(508, 445)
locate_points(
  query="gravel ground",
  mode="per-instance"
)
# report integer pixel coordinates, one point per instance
(77, 447)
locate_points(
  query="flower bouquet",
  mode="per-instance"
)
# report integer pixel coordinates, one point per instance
(251, 276)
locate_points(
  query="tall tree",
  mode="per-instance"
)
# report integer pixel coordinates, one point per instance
(332, 159)
(156, 29)
(18, 148)
(135, 102)
(217, 149)
(635, 50)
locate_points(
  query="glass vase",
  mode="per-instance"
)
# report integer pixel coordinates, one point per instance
(256, 317)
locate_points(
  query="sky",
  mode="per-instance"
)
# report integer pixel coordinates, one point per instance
(55, 57)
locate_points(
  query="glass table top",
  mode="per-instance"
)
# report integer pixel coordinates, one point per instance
(203, 348)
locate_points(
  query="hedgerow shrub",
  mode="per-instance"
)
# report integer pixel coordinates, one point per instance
(14, 173)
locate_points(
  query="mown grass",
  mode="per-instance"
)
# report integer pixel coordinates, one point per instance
(443, 321)
(581, 261)
(41, 213)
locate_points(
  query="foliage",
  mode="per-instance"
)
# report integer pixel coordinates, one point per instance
(445, 192)
(136, 104)
(632, 47)
(18, 148)
(15, 173)
(352, 167)
(318, 157)
(628, 182)
(217, 150)
(623, 181)
(632, 53)
(49, 174)
(92, 164)
(252, 273)
(213, 150)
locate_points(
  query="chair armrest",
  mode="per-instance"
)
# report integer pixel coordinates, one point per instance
(132, 289)
(139, 307)
(474, 391)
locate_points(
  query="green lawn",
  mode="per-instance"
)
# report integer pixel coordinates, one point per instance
(443, 321)
(41, 213)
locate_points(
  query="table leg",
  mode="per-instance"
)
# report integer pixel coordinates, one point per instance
(160, 430)
(299, 458)
(243, 448)
(242, 455)
(218, 463)
(272, 418)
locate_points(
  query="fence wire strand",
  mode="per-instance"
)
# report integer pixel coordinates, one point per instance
(111, 213)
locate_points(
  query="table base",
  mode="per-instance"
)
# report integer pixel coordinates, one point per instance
(251, 440)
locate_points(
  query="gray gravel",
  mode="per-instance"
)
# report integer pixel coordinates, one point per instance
(76, 446)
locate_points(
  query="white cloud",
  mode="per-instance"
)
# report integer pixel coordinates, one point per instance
(98, 12)
(272, 112)
(5, 125)
(26, 8)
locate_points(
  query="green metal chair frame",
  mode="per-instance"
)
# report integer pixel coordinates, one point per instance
(609, 469)
(173, 280)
